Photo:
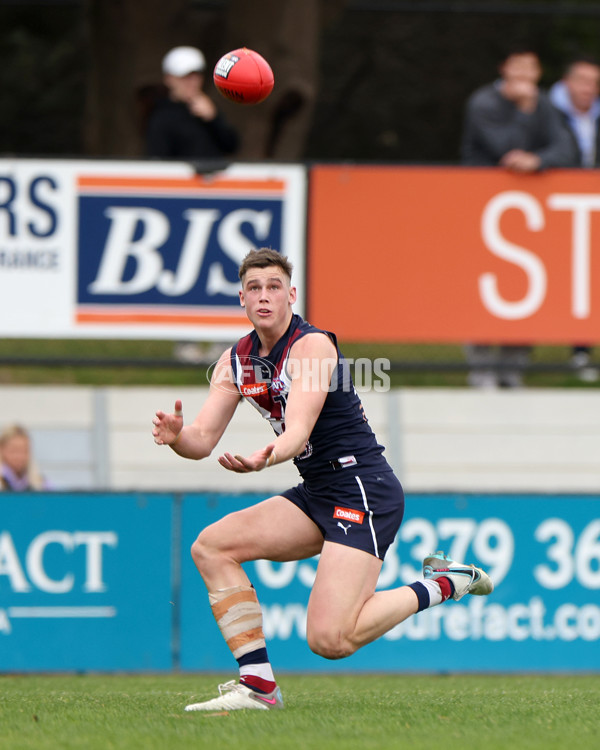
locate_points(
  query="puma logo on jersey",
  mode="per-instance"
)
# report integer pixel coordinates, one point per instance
(341, 525)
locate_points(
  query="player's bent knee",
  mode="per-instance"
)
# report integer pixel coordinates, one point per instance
(211, 549)
(197, 552)
(329, 646)
(203, 550)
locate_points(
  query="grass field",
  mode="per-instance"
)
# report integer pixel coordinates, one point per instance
(322, 712)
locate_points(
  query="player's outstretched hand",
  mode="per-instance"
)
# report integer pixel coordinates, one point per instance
(256, 462)
(167, 427)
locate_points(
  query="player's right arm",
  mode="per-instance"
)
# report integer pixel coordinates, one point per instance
(198, 439)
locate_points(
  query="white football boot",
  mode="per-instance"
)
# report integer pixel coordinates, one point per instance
(233, 696)
(466, 579)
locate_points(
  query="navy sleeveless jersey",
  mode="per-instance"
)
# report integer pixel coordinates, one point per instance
(341, 430)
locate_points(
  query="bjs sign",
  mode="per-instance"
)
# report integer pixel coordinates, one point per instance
(138, 250)
(475, 255)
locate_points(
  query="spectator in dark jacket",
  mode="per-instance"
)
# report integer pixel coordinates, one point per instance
(186, 124)
(510, 123)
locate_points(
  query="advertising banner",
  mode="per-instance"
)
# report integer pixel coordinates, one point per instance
(543, 554)
(85, 582)
(138, 249)
(455, 254)
(106, 582)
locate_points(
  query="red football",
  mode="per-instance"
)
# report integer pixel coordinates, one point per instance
(243, 76)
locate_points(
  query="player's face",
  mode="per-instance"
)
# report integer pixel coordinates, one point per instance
(267, 296)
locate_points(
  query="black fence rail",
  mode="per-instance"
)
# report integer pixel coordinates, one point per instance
(399, 366)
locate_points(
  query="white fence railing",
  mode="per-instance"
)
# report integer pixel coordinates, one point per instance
(437, 439)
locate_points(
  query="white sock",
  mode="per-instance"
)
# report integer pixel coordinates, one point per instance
(435, 593)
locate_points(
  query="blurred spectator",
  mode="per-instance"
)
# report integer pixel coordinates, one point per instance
(576, 96)
(186, 124)
(512, 124)
(18, 472)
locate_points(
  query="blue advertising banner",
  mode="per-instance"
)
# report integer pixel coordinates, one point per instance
(164, 252)
(85, 582)
(106, 582)
(171, 248)
(543, 554)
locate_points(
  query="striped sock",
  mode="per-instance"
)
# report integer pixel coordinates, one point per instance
(239, 617)
(256, 671)
(429, 593)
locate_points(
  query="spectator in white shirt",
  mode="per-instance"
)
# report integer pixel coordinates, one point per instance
(577, 98)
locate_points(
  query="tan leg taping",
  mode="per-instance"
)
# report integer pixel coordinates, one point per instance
(220, 594)
(241, 597)
(239, 617)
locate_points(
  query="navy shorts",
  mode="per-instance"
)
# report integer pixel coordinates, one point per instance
(363, 511)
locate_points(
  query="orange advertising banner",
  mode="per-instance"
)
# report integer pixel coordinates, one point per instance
(454, 254)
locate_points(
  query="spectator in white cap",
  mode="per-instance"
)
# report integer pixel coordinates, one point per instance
(186, 124)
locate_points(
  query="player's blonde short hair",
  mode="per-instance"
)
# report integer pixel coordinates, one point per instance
(263, 258)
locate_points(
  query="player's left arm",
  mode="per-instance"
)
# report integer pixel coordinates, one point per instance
(311, 364)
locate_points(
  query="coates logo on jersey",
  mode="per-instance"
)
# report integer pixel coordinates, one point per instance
(256, 389)
(166, 251)
(348, 514)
